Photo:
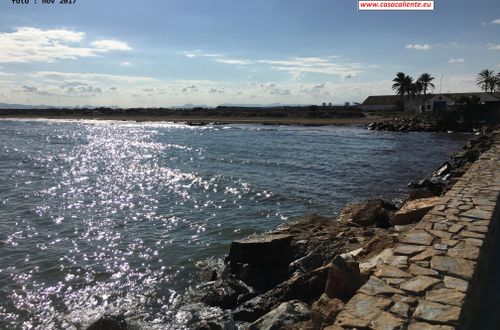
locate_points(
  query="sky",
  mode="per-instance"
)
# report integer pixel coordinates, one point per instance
(160, 53)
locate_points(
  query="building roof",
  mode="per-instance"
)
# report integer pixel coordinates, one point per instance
(395, 99)
(382, 100)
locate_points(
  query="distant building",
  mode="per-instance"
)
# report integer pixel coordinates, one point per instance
(429, 102)
(381, 102)
(448, 101)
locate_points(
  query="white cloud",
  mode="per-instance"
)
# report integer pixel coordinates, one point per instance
(28, 44)
(6, 74)
(300, 66)
(456, 60)
(233, 61)
(496, 21)
(419, 46)
(126, 63)
(198, 53)
(90, 77)
(108, 45)
(493, 46)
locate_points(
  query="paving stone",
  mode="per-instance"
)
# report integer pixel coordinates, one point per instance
(440, 234)
(416, 237)
(400, 308)
(417, 270)
(478, 229)
(408, 249)
(468, 252)
(387, 321)
(470, 234)
(419, 284)
(427, 326)
(474, 241)
(398, 261)
(395, 282)
(375, 286)
(440, 226)
(449, 242)
(446, 296)
(362, 307)
(388, 271)
(436, 313)
(346, 320)
(456, 283)
(410, 300)
(440, 247)
(427, 254)
(481, 223)
(455, 228)
(423, 225)
(477, 214)
(455, 266)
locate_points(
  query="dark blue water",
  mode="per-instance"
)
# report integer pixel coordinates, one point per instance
(112, 217)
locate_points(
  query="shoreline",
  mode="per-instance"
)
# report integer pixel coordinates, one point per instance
(301, 274)
(205, 120)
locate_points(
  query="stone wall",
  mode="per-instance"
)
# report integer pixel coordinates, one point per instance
(433, 281)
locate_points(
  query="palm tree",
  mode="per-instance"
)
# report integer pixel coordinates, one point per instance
(485, 80)
(426, 81)
(408, 84)
(399, 84)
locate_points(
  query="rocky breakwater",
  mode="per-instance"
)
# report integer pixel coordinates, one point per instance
(317, 271)
(427, 123)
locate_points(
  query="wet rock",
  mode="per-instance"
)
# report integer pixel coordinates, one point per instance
(344, 279)
(201, 316)
(223, 293)
(306, 264)
(324, 311)
(268, 249)
(285, 314)
(109, 322)
(307, 287)
(414, 210)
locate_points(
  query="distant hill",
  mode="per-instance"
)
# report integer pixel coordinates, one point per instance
(42, 106)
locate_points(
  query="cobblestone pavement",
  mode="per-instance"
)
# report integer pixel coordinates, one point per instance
(425, 284)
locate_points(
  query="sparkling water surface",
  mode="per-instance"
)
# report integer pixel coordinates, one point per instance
(111, 217)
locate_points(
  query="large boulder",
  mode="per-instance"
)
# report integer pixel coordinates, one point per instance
(373, 212)
(267, 249)
(109, 322)
(306, 287)
(344, 279)
(413, 211)
(324, 311)
(223, 293)
(286, 314)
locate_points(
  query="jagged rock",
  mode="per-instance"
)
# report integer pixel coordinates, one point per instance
(201, 316)
(381, 258)
(414, 210)
(222, 293)
(372, 212)
(343, 280)
(324, 311)
(286, 314)
(305, 287)
(305, 264)
(109, 322)
(418, 194)
(267, 249)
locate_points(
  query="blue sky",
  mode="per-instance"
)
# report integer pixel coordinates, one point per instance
(167, 53)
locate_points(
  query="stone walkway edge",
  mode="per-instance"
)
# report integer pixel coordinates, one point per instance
(431, 284)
